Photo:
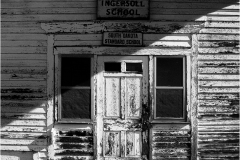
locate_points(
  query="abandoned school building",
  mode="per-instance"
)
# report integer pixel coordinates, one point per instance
(120, 80)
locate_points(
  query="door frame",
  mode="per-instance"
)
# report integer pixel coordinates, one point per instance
(100, 101)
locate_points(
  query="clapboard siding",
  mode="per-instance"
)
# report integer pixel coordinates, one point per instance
(171, 142)
(172, 23)
(218, 111)
(73, 144)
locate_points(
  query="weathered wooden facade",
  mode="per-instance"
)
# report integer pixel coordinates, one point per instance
(123, 119)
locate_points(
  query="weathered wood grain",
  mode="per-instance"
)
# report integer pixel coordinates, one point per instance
(122, 51)
(127, 26)
(25, 135)
(24, 56)
(23, 43)
(27, 37)
(24, 50)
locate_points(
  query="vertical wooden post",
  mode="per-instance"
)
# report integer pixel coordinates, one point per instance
(194, 98)
(50, 93)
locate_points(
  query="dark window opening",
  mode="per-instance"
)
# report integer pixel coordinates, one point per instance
(75, 88)
(134, 67)
(112, 66)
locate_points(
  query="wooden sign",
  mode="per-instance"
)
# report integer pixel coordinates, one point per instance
(123, 9)
(122, 39)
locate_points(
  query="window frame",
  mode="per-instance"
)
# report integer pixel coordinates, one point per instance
(185, 87)
(58, 88)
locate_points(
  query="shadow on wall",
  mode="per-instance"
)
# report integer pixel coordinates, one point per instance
(24, 106)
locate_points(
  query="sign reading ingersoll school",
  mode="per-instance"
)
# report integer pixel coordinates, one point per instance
(122, 39)
(123, 9)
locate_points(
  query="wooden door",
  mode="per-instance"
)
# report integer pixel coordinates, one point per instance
(121, 116)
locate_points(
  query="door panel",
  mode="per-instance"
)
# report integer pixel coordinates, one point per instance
(112, 97)
(121, 95)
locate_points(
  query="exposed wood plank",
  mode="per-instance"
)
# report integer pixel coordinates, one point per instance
(50, 91)
(222, 109)
(219, 70)
(218, 90)
(74, 157)
(37, 4)
(194, 101)
(218, 57)
(20, 83)
(23, 43)
(216, 44)
(225, 24)
(218, 77)
(24, 50)
(15, 122)
(24, 70)
(22, 30)
(24, 142)
(16, 155)
(49, 17)
(218, 96)
(23, 107)
(218, 83)
(167, 44)
(22, 129)
(27, 37)
(24, 56)
(24, 63)
(214, 6)
(127, 26)
(23, 116)
(23, 148)
(23, 77)
(25, 135)
(23, 96)
(122, 51)
(217, 37)
(219, 30)
(218, 63)
(218, 102)
(78, 43)
(162, 37)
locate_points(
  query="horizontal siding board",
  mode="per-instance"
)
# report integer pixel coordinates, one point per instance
(218, 57)
(49, 17)
(33, 77)
(24, 63)
(219, 96)
(219, 70)
(23, 116)
(22, 109)
(19, 56)
(122, 50)
(24, 142)
(17, 122)
(23, 135)
(27, 37)
(217, 37)
(23, 148)
(24, 70)
(127, 26)
(27, 30)
(23, 96)
(218, 90)
(222, 24)
(216, 44)
(23, 43)
(218, 84)
(22, 129)
(215, 6)
(218, 109)
(218, 63)
(24, 50)
(19, 83)
(219, 31)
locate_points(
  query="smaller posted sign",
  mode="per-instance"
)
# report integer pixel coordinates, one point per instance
(122, 39)
(123, 9)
